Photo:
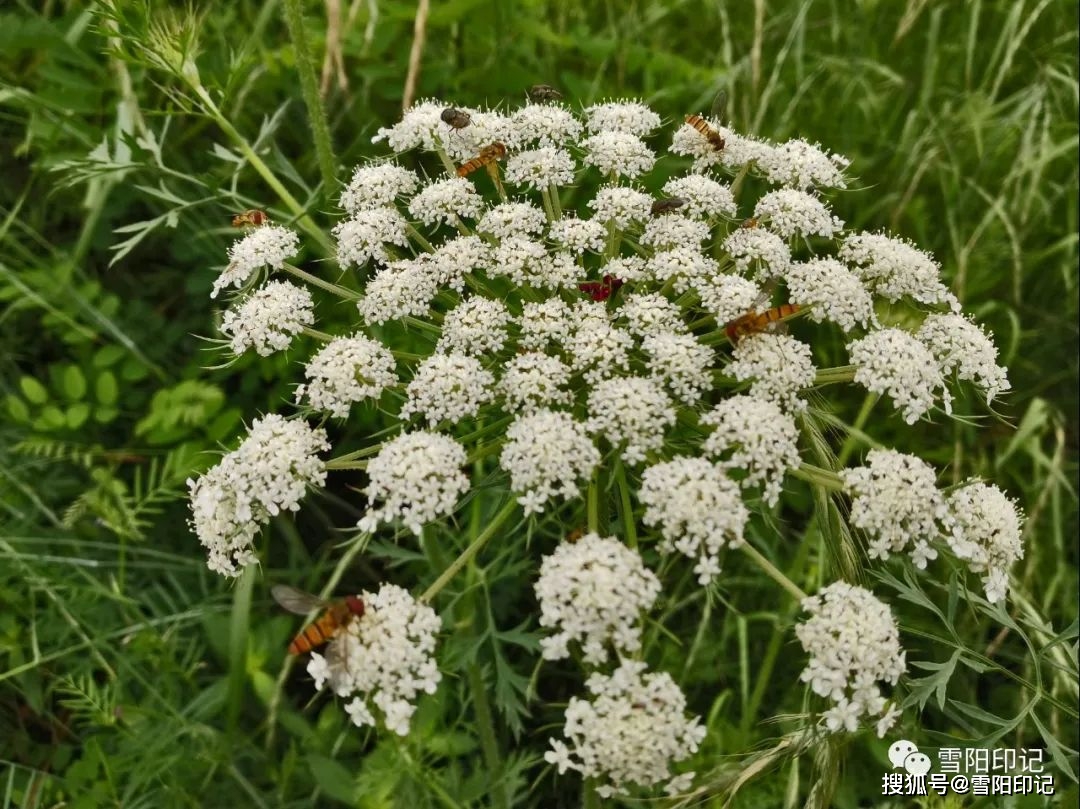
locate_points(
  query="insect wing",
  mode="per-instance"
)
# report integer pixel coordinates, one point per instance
(719, 107)
(296, 601)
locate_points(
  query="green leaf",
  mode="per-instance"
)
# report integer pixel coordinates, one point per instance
(73, 383)
(33, 390)
(106, 356)
(333, 778)
(103, 415)
(936, 683)
(17, 408)
(52, 418)
(105, 388)
(1056, 748)
(77, 415)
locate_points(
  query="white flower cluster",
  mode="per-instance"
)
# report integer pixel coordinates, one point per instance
(448, 387)
(986, 535)
(593, 591)
(779, 365)
(631, 412)
(854, 644)
(269, 246)
(547, 453)
(347, 370)
(268, 319)
(267, 474)
(631, 731)
(382, 659)
(475, 327)
(893, 361)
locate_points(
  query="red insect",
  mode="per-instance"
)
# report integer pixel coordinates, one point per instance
(601, 290)
(336, 616)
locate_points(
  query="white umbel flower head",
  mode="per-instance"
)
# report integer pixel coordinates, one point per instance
(680, 362)
(417, 477)
(578, 235)
(447, 201)
(540, 168)
(475, 327)
(697, 508)
(631, 117)
(895, 501)
(533, 380)
(377, 185)
(593, 591)
(448, 387)
(792, 213)
(854, 644)
(403, 288)
(987, 534)
(619, 153)
(457, 257)
(269, 318)
(674, 230)
(266, 247)
(704, 196)
(686, 265)
(544, 125)
(803, 165)
(726, 297)
(546, 454)
(267, 474)
(347, 370)
(894, 362)
(418, 128)
(631, 411)
(544, 322)
(963, 347)
(621, 204)
(383, 659)
(832, 291)
(651, 313)
(758, 251)
(779, 365)
(597, 348)
(756, 438)
(629, 733)
(626, 268)
(364, 237)
(895, 269)
(528, 263)
(512, 219)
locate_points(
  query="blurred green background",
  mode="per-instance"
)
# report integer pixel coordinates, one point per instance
(130, 675)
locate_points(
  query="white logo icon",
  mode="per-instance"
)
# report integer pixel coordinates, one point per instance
(905, 754)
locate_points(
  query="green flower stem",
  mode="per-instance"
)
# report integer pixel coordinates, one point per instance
(324, 150)
(340, 465)
(625, 506)
(545, 195)
(486, 430)
(772, 571)
(448, 164)
(352, 456)
(556, 205)
(489, 744)
(423, 325)
(318, 335)
(818, 476)
(407, 355)
(590, 798)
(703, 321)
(480, 453)
(592, 501)
(736, 185)
(496, 176)
(611, 247)
(463, 229)
(314, 280)
(831, 376)
(855, 432)
(471, 551)
(418, 237)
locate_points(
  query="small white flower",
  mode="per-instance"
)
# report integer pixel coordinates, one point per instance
(779, 365)
(760, 250)
(832, 292)
(792, 213)
(630, 732)
(269, 318)
(540, 168)
(448, 387)
(267, 474)
(546, 454)
(697, 508)
(631, 117)
(544, 125)
(544, 322)
(597, 348)
(894, 269)
(704, 196)
(626, 268)
(987, 534)
(347, 370)
(755, 437)
(456, 258)
(418, 128)
(593, 591)
(364, 237)
(447, 201)
(578, 235)
(962, 346)
(383, 658)
(512, 219)
(649, 313)
(533, 380)
(674, 230)
(738, 151)
(680, 362)
(726, 297)
(377, 185)
(269, 246)
(618, 153)
(475, 327)
(895, 500)
(802, 165)
(528, 263)
(621, 204)
(631, 410)
(894, 362)
(418, 478)
(685, 264)
(403, 288)
(853, 643)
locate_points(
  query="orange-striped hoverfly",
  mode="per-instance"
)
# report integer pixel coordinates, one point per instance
(711, 135)
(252, 218)
(335, 617)
(487, 156)
(754, 321)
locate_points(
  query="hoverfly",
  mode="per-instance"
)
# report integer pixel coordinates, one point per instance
(455, 118)
(601, 290)
(754, 321)
(662, 206)
(711, 135)
(543, 92)
(487, 156)
(749, 224)
(337, 614)
(252, 218)
(719, 107)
